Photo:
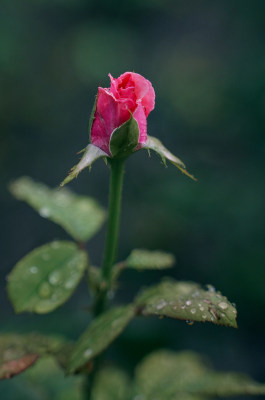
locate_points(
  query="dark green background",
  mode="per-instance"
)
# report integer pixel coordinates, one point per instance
(206, 61)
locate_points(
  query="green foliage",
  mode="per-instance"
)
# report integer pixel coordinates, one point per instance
(19, 352)
(45, 380)
(102, 331)
(187, 301)
(46, 277)
(91, 154)
(111, 384)
(167, 375)
(145, 259)
(156, 145)
(80, 216)
(124, 139)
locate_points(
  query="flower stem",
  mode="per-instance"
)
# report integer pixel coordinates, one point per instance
(111, 243)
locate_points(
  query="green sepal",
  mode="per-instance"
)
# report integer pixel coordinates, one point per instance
(92, 116)
(155, 144)
(46, 277)
(187, 301)
(124, 139)
(80, 216)
(91, 154)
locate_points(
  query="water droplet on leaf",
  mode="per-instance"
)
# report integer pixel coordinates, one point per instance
(44, 212)
(54, 277)
(161, 305)
(210, 288)
(223, 305)
(33, 269)
(87, 353)
(45, 290)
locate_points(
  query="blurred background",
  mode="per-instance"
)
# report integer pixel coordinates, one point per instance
(206, 62)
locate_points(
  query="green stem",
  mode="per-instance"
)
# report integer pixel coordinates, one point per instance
(111, 243)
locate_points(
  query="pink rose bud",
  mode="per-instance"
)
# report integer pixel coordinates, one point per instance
(129, 95)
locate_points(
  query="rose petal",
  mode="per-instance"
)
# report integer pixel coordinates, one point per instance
(139, 115)
(109, 115)
(148, 100)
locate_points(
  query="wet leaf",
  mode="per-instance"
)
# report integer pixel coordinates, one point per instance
(155, 144)
(45, 380)
(187, 301)
(11, 368)
(124, 139)
(80, 216)
(99, 335)
(145, 259)
(19, 352)
(45, 278)
(165, 375)
(111, 384)
(91, 154)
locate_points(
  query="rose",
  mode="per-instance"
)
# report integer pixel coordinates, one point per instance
(118, 124)
(129, 95)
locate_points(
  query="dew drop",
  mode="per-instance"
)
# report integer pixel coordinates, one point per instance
(210, 288)
(204, 316)
(201, 308)
(189, 322)
(44, 212)
(161, 305)
(54, 277)
(69, 284)
(87, 353)
(188, 303)
(45, 290)
(33, 269)
(223, 305)
(193, 310)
